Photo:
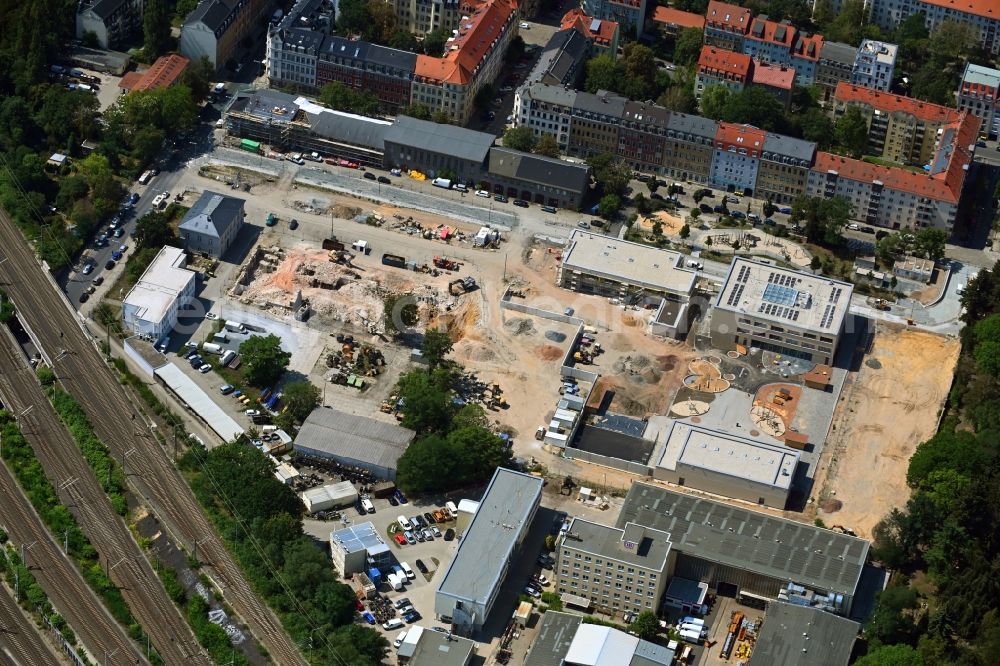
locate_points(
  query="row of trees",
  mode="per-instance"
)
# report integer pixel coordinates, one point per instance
(948, 534)
(524, 139)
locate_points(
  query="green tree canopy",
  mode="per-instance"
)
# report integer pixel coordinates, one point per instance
(603, 73)
(754, 106)
(547, 145)
(851, 132)
(714, 100)
(153, 230)
(264, 361)
(891, 655)
(646, 626)
(611, 172)
(435, 40)
(609, 206)
(519, 138)
(156, 29)
(823, 219)
(435, 347)
(688, 47)
(427, 400)
(301, 398)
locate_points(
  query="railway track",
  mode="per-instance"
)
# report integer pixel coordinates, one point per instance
(21, 642)
(117, 417)
(79, 489)
(59, 578)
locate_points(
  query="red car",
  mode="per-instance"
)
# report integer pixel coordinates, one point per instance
(400, 539)
(360, 606)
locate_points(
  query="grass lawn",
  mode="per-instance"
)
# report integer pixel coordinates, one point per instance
(888, 163)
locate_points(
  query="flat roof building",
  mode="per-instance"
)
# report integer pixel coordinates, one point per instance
(554, 637)
(979, 94)
(750, 555)
(599, 264)
(200, 403)
(794, 635)
(353, 440)
(725, 464)
(151, 307)
(477, 571)
(619, 569)
(359, 548)
(435, 648)
(781, 310)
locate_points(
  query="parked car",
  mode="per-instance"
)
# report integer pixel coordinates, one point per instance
(116, 255)
(84, 297)
(133, 198)
(583, 224)
(399, 639)
(253, 412)
(403, 601)
(705, 208)
(369, 618)
(532, 592)
(412, 616)
(436, 532)
(428, 535)
(370, 176)
(88, 268)
(226, 389)
(99, 280)
(737, 214)
(410, 539)
(119, 232)
(393, 501)
(421, 567)
(548, 209)
(429, 518)
(853, 226)
(401, 497)
(110, 264)
(211, 316)
(384, 180)
(786, 210)
(521, 202)
(419, 534)
(483, 193)
(400, 539)
(500, 198)
(204, 369)
(449, 534)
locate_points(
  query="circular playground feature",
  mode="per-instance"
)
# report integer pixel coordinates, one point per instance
(733, 354)
(714, 360)
(729, 376)
(700, 366)
(706, 384)
(689, 408)
(768, 421)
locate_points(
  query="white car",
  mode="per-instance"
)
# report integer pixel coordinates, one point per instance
(524, 26)
(205, 368)
(853, 227)
(483, 193)
(399, 639)
(88, 268)
(253, 412)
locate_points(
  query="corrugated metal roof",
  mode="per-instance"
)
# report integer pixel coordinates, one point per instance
(553, 639)
(793, 635)
(330, 431)
(445, 139)
(539, 169)
(199, 402)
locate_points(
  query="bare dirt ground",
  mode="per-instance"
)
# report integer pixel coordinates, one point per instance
(893, 404)
(670, 225)
(930, 293)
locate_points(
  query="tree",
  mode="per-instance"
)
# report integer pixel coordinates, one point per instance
(354, 17)
(890, 623)
(817, 126)
(418, 111)
(435, 40)
(678, 98)
(952, 40)
(611, 172)
(609, 206)
(646, 626)
(851, 132)
(891, 655)
(264, 360)
(815, 263)
(888, 248)
(687, 48)
(153, 230)
(685, 231)
(754, 106)
(519, 138)
(427, 400)
(603, 73)
(156, 29)
(823, 219)
(383, 17)
(695, 214)
(930, 243)
(301, 398)
(846, 27)
(547, 145)
(484, 97)
(435, 347)
(640, 70)
(714, 100)
(404, 41)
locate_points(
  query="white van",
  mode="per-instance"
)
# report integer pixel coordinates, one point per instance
(394, 623)
(404, 523)
(367, 505)
(452, 509)
(407, 570)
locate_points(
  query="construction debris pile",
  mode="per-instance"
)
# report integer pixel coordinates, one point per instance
(353, 362)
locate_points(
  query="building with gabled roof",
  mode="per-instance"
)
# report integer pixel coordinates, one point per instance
(674, 21)
(737, 155)
(431, 147)
(718, 67)
(726, 25)
(836, 62)
(211, 225)
(983, 16)
(545, 180)
(793, 635)
(979, 94)
(113, 22)
(163, 73)
(775, 79)
(602, 33)
(562, 61)
(215, 28)
(353, 440)
(628, 14)
(770, 41)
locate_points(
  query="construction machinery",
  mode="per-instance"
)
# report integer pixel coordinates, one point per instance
(446, 264)
(583, 356)
(462, 285)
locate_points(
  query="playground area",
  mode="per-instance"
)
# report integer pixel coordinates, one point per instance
(670, 225)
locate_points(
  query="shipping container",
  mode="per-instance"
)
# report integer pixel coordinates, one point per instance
(394, 260)
(250, 146)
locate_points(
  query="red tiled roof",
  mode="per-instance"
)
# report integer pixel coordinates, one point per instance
(671, 16)
(721, 60)
(731, 135)
(988, 8)
(723, 16)
(579, 21)
(890, 103)
(774, 76)
(162, 74)
(943, 186)
(467, 51)
(808, 47)
(762, 30)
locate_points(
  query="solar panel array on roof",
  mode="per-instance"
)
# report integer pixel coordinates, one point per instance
(828, 313)
(595, 25)
(734, 296)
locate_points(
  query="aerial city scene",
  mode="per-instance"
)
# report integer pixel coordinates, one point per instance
(500, 332)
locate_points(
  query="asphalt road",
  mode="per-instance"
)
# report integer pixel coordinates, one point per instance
(79, 489)
(109, 406)
(21, 643)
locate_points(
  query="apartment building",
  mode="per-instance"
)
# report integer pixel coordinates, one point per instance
(736, 158)
(874, 64)
(780, 310)
(674, 21)
(783, 172)
(596, 124)
(643, 138)
(690, 147)
(836, 63)
(979, 94)
(806, 53)
(216, 29)
(628, 14)
(386, 73)
(602, 33)
(770, 41)
(726, 25)
(546, 109)
(775, 79)
(617, 569)
(900, 129)
(982, 15)
(473, 59)
(113, 21)
(562, 61)
(423, 16)
(719, 67)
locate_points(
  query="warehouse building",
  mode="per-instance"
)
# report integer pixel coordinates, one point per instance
(432, 147)
(598, 264)
(423, 647)
(726, 464)
(543, 180)
(793, 635)
(751, 556)
(356, 441)
(359, 548)
(780, 310)
(330, 496)
(620, 570)
(564, 640)
(151, 307)
(478, 570)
